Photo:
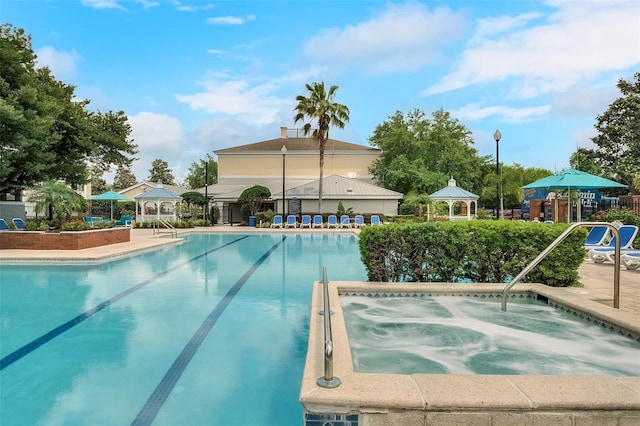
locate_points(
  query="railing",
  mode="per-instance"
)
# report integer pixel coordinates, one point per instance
(328, 380)
(555, 243)
(167, 225)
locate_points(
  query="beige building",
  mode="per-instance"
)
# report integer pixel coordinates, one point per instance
(292, 162)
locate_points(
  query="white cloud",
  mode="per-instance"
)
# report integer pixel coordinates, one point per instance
(230, 20)
(190, 8)
(62, 64)
(580, 41)
(582, 99)
(116, 4)
(157, 136)
(403, 37)
(214, 51)
(477, 111)
(255, 103)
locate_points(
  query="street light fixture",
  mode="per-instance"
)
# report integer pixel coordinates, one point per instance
(497, 135)
(283, 151)
(206, 188)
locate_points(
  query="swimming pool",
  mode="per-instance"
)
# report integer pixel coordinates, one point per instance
(471, 335)
(211, 331)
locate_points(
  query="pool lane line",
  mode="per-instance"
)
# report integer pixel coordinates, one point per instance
(35, 344)
(159, 396)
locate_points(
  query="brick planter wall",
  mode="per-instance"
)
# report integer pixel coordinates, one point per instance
(68, 240)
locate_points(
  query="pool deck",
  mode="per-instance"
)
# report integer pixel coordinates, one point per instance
(597, 279)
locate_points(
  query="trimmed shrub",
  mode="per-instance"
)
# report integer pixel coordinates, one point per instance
(470, 251)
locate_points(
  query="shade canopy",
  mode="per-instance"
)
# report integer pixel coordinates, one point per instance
(110, 196)
(571, 179)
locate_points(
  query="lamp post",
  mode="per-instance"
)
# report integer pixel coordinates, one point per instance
(206, 189)
(497, 135)
(283, 151)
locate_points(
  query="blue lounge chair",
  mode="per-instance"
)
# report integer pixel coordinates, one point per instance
(291, 221)
(124, 221)
(3, 225)
(305, 222)
(631, 259)
(598, 235)
(627, 235)
(317, 221)
(277, 221)
(344, 221)
(375, 219)
(332, 221)
(19, 223)
(358, 221)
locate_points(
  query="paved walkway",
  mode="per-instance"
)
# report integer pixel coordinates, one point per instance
(596, 278)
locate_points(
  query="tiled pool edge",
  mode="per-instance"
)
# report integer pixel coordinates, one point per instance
(384, 399)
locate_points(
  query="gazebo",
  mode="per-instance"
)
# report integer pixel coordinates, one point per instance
(451, 195)
(160, 198)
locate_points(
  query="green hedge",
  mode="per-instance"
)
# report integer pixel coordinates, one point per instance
(470, 251)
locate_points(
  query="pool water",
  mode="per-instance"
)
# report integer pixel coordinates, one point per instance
(211, 331)
(466, 335)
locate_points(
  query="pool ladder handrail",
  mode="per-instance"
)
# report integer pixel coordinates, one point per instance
(555, 243)
(172, 229)
(328, 380)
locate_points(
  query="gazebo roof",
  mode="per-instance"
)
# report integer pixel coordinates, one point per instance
(158, 193)
(452, 192)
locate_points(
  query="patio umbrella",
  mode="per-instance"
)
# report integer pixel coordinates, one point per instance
(110, 196)
(573, 179)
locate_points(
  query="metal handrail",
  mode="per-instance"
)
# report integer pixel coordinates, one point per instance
(555, 243)
(171, 228)
(328, 380)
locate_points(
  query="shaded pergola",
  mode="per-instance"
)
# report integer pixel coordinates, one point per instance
(159, 197)
(452, 194)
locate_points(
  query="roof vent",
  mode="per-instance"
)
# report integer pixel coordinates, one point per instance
(352, 175)
(349, 189)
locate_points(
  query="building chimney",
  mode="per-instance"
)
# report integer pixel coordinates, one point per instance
(283, 132)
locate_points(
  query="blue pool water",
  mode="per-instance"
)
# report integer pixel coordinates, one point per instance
(211, 331)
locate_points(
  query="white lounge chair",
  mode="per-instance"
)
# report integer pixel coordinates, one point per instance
(631, 259)
(317, 221)
(291, 221)
(305, 222)
(277, 221)
(332, 221)
(375, 219)
(345, 222)
(602, 254)
(358, 221)
(598, 236)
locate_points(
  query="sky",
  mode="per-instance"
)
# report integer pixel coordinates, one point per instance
(197, 76)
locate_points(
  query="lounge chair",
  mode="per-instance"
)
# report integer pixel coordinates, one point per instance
(3, 225)
(598, 236)
(345, 222)
(277, 221)
(358, 221)
(317, 221)
(305, 222)
(332, 221)
(631, 259)
(124, 221)
(375, 219)
(291, 221)
(19, 223)
(602, 254)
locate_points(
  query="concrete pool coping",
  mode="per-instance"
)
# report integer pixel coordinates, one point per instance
(420, 399)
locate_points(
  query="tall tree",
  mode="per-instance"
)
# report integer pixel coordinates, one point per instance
(160, 172)
(419, 154)
(123, 178)
(197, 172)
(320, 106)
(618, 137)
(57, 199)
(46, 133)
(583, 160)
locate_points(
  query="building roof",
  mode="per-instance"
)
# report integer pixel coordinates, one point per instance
(294, 144)
(172, 188)
(452, 192)
(340, 187)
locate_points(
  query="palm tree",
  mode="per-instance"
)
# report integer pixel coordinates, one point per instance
(319, 105)
(56, 198)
